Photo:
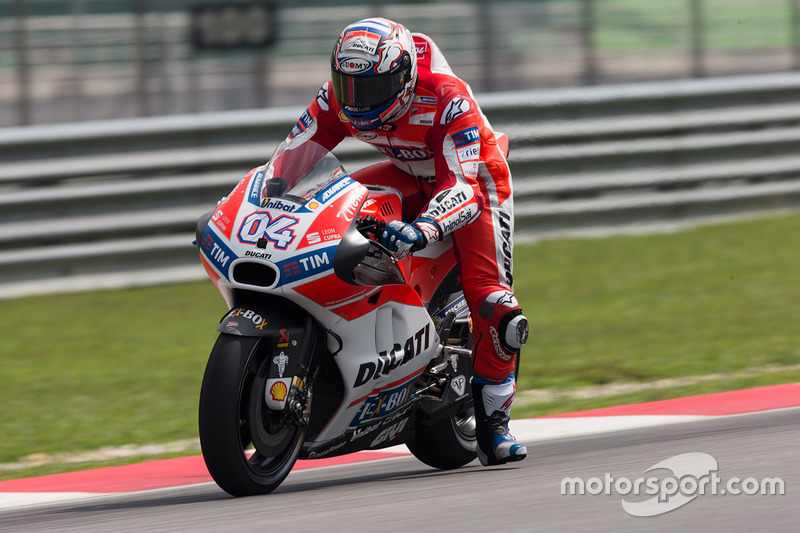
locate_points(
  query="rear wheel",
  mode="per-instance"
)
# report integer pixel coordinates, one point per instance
(248, 448)
(450, 443)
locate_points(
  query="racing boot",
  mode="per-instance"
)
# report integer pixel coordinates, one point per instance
(492, 402)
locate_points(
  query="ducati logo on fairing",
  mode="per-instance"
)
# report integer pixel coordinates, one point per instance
(399, 355)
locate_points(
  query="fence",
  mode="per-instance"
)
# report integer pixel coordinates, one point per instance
(114, 203)
(68, 60)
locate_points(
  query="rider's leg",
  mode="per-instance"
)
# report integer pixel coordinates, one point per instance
(484, 252)
(415, 193)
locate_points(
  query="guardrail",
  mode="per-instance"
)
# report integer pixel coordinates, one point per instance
(108, 204)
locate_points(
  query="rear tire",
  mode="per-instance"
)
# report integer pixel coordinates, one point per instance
(447, 444)
(245, 447)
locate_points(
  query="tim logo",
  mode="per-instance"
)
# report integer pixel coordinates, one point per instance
(304, 266)
(261, 225)
(216, 251)
(466, 137)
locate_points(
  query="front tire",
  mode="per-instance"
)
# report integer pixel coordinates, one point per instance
(247, 448)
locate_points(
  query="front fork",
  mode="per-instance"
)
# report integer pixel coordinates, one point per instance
(292, 339)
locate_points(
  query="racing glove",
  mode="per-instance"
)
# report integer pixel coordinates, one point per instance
(403, 239)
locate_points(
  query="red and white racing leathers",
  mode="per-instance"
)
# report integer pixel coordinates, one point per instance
(445, 160)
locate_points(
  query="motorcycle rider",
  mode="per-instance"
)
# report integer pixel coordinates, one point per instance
(395, 90)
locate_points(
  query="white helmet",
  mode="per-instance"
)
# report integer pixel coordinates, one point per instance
(374, 72)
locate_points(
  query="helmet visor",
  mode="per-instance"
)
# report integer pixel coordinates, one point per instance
(360, 94)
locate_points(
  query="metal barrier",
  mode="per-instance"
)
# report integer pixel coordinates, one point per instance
(115, 203)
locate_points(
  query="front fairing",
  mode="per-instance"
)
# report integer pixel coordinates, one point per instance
(280, 227)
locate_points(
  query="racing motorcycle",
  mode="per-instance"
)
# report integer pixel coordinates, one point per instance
(332, 344)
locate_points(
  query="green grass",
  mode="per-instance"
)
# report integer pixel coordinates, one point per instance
(110, 368)
(104, 368)
(713, 299)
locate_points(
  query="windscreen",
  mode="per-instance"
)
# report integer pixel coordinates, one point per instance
(298, 172)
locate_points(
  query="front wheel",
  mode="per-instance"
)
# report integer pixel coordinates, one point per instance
(248, 448)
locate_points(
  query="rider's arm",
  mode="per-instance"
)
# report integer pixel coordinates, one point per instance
(457, 139)
(319, 122)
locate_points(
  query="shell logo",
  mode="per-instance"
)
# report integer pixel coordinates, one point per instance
(278, 391)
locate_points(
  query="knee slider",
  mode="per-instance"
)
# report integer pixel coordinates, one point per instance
(513, 330)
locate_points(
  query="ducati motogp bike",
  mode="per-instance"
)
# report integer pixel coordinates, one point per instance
(331, 344)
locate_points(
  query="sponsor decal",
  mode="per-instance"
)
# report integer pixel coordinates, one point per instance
(367, 136)
(421, 116)
(216, 251)
(459, 385)
(349, 207)
(254, 196)
(398, 355)
(387, 422)
(278, 391)
(322, 98)
(283, 342)
(231, 325)
(470, 168)
(331, 190)
(470, 153)
(361, 40)
(389, 433)
(352, 66)
(457, 107)
(422, 49)
(425, 100)
(447, 203)
(505, 246)
(222, 220)
(498, 348)
(257, 254)
(454, 307)
(281, 205)
(248, 314)
(505, 298)
(466, 137)
(406, 153)
(467, 143)
(280, 361)
(362, 432)
(316, 237)
(429, 230)
(302, 124)
(326, 451)
(384, 403)
(306, 265)
(261, 225)
(454, 223)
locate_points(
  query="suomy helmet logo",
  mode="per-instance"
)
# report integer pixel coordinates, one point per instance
(352, 66)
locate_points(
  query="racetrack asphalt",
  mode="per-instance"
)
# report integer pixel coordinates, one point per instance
(760, 445)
